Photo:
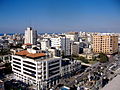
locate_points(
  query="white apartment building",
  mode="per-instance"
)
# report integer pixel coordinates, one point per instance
(36, 68)
(61, 43)
(45, 44)
(30, 36)
(55, 52)
(118, 38)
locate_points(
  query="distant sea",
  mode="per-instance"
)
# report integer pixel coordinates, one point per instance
(1, 34)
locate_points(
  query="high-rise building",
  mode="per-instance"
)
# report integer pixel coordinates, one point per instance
(61, 43)
(30, 36)
(105, 43)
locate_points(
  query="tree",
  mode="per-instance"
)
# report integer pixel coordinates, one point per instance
(103, 58)
(94, 59)
(83, 59)
(6, 58)
(8, 68)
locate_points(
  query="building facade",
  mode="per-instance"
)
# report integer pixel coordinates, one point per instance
(70, 67)
(30, 36)
(75, 48)
(61, 43)
(45, 44)
(36, 68)
(72, 35)
(105, 43)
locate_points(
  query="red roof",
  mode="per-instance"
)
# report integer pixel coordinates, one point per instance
(22, 53)
(35, 55)
(28, 44)
(32, 55)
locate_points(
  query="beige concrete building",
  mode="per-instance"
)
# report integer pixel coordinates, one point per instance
(72, 35)
(105, 43)
(87, 56)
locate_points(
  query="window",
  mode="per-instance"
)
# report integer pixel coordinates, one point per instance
(32, 75)
(54, 69)
(16, 62)
(16, 66)
(17, 69)
(53, 73)
(29, 70)
(29, 62)
(54, 65)
(16, 59)
(29, 66)
(54, 62)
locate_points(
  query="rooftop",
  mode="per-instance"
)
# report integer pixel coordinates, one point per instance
(72, 33)
(106, 34)
(28, 44)
(22, 53)
(31, 55)
(35, 55)
(65, 62)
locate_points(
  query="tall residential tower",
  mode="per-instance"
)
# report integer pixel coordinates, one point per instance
(30, 36)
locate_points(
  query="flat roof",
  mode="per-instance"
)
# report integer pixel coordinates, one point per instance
(35, 55)
(113, 85)
(31, 55)
(22, 53)
(28, 44)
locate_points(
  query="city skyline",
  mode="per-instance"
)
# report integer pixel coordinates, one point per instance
(59, 15)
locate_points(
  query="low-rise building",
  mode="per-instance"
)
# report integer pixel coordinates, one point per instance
(69, 67)
(45, 44)
(6, 58)
(87, 50)
(87, 56)
(27, 45)
(75, 48)
(4, 45)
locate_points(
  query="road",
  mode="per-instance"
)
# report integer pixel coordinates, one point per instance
(77, 78)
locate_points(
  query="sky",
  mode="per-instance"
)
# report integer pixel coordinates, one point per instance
(57, 16)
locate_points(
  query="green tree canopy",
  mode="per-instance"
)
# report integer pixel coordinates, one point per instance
(103, 58)
(83, 59)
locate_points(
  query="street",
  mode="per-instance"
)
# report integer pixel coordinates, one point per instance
(102, 68)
